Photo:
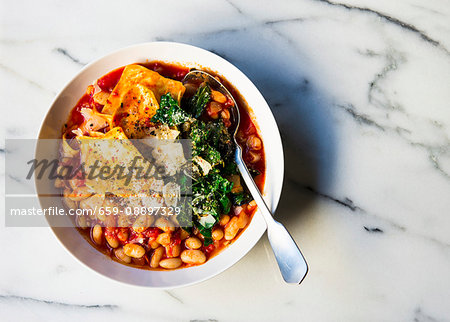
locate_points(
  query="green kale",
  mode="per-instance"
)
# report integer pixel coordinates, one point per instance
(230, 168)
(210, 200)
(212, 142)
(199, 137)
(207, 234)
(197, 103)
(211, 155)
(169, 112)
(241, 198)
(226, 204)
(220, 139)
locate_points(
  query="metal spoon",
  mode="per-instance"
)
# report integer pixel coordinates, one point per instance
(290, 260)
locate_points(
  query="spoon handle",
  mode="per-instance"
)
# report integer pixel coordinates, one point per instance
(290, 260)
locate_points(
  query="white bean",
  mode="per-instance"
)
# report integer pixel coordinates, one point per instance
(193, 243)
(163, 239)
(232, 228)
(193, 256)
(173, 251)
(134, 250)
(156, 257)
(97, 233)
(120, 254)
(217, 234)
(165, 225)
(154, 244)
(224, 220)
(254, 142)
(218, 97)
(170, 263)
(112, 241)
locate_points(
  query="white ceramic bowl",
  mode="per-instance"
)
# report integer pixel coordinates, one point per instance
(192, 57)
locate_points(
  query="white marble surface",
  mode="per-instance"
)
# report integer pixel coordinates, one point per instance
(361, 92)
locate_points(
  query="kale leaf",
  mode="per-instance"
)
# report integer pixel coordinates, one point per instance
(230, 168)
(198, 102)
(220, 139)
(241, 198)
(212, 142)
(210, 200)
(169, 112)
(211, 155)
(199, 137)
(207, 234)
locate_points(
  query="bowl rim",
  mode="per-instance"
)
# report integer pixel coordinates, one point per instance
(275, 195)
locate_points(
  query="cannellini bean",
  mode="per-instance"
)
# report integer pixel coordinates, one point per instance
(163, 239)
(232, 228)
(156, 257)
(134, 250)
(165, 225)
(173, 251)
(120, 254)
(193, 256)
(170, 263)
(214, 109)
(154, 244)
(122, 234)
(184, 234)
(240, 136)
(217, 234)
(218, 97)
(97, 233)
(254, 142)
(112, 241)
(224, 220)
(225, 114)
(251, 206)
(253, 157)
(193, 243)
(242, 220)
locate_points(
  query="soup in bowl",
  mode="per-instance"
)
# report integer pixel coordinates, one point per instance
(191, 216)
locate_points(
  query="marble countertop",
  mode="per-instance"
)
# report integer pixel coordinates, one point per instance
(360, 91)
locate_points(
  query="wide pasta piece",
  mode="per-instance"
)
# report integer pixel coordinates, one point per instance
(135, 99)
(114, 151)
(134, 114)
